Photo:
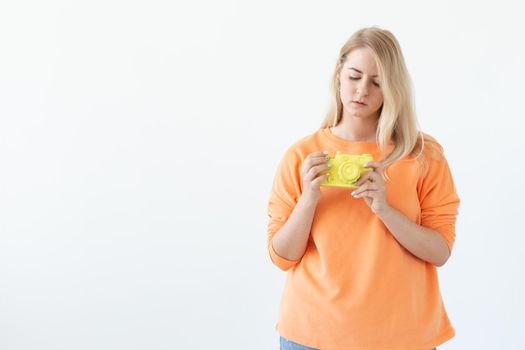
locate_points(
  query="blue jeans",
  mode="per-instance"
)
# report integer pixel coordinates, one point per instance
(290, 345)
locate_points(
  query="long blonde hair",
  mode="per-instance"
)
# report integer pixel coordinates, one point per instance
(397, 121)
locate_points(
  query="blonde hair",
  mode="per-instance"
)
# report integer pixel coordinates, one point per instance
(397, 120)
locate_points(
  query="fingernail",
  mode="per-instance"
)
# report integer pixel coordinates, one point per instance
(326, 152)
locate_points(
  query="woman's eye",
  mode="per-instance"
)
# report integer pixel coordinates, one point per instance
(355, 78)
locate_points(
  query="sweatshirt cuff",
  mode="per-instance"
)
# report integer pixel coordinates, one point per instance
(279, 261)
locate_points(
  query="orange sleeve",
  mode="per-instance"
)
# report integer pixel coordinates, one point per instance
(439, 201)
(285, 193)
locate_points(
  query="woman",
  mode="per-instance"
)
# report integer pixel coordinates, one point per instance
(361, 264)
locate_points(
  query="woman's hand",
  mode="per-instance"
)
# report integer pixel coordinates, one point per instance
(373, 189)
(310, 168)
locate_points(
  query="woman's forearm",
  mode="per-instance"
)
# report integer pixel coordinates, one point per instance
(423, 242)
(292, 238)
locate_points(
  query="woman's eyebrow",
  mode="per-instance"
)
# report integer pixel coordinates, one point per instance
(357, 70)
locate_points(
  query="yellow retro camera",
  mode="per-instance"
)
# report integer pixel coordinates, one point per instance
(346, 169)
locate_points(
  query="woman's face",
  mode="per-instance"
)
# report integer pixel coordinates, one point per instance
(360, 82)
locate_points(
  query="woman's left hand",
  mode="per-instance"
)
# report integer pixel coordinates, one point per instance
(373, 189)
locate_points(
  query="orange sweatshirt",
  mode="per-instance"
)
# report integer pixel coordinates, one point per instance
(356, 287)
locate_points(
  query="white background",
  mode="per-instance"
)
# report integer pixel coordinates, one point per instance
(139, 140)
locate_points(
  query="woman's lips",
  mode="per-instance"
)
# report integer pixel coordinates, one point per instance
(358, 104)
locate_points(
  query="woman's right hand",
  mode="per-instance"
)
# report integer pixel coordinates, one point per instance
(310, 168)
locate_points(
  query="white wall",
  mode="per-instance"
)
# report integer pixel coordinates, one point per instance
(138, 142)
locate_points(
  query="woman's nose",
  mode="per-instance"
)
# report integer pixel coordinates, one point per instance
(363, 87)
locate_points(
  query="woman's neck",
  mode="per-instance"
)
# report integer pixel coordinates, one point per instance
(357, 133)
